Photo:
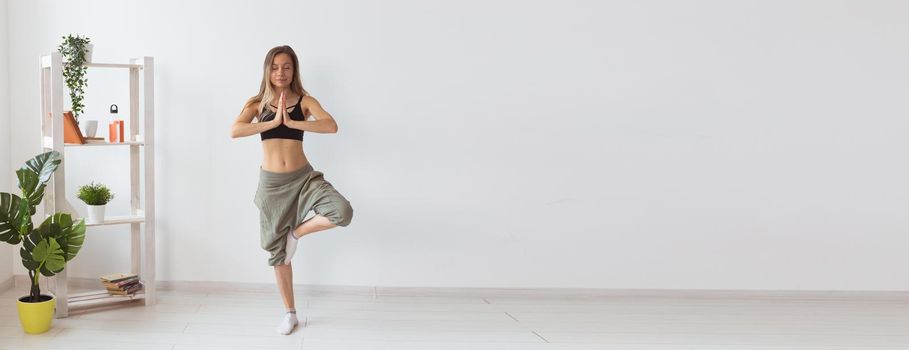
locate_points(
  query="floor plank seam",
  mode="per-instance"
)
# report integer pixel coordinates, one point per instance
(541, 337)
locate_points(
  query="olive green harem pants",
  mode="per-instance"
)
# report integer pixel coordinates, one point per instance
(284, 199)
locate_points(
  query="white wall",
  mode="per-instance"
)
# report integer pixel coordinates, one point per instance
(6, 180)
(6, 250)
(622, 144)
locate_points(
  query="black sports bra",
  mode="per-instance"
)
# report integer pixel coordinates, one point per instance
(283, 131)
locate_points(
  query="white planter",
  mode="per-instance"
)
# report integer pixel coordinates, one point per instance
(89, 127)
(95, 214)
(88, 52)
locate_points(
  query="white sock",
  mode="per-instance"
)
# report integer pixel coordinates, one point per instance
(288, 323)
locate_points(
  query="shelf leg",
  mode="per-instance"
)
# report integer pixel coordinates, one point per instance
(61, 292)
(135, 250)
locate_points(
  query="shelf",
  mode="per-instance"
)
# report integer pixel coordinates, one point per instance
(131, 143)
(49, 143)
(101, 297)
(141, 116)
(46, 63)
(117, 220)
(113, 65)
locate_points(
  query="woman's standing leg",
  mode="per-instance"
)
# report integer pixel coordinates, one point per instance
(285, 275)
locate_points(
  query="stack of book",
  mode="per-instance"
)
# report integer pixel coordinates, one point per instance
(122, 283)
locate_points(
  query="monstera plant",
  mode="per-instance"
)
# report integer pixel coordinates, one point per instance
(45, 249)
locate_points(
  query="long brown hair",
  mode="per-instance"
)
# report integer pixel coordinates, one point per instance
(266, 89)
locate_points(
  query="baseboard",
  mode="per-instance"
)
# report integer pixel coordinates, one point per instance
(562, 293)
(22, 281)
(10, 283)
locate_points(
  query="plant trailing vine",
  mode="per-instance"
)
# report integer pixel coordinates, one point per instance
(74, 50)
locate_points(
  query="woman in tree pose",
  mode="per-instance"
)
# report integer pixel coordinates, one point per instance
(293, 199)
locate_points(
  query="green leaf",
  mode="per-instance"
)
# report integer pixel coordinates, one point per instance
(31, 240)
(44, 165)
(27, 260)
(49, 256)
(71, 237)
(25, 217)
(28, 180)
(43, 249)
(31, 188)
(10, 218)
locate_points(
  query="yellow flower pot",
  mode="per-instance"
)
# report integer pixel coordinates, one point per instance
(36, 318)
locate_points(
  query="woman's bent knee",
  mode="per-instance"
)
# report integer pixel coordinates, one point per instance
(343, 215)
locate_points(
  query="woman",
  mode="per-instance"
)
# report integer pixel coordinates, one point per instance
(293, 199)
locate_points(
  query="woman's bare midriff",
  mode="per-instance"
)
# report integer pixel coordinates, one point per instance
(283, 155)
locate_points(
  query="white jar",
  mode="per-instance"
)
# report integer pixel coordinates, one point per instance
(89, 127)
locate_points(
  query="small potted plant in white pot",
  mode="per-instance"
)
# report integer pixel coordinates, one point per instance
(96, 196)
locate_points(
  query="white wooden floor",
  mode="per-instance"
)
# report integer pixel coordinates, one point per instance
(405, 321)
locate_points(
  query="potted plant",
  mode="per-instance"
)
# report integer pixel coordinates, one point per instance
(76, 51)
(46, 249)
(96, 196)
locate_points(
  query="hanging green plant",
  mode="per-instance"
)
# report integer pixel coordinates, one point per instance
(74, 49)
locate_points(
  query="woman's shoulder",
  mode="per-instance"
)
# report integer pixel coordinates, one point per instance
(252, 106)
(309, 100)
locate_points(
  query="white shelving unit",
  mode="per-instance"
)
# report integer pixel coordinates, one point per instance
(142, 212)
